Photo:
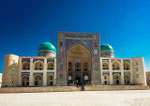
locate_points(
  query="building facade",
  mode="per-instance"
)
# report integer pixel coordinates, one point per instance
(79, 60)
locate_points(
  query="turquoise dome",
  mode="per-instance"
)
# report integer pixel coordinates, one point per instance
(47, 46)
(106, 47)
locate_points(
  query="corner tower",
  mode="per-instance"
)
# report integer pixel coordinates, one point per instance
(10, 71)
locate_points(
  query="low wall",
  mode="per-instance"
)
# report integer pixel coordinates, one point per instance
(68, 89)
(110, 88)
(38, 89)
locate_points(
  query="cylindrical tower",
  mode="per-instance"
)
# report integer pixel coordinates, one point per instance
(47, 49)
(106, 50)
(10, 71)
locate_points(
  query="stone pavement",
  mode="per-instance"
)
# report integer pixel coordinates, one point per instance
(80, 98)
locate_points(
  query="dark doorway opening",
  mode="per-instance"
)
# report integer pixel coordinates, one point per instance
(78, 80)
(117, 82)
(36, 83)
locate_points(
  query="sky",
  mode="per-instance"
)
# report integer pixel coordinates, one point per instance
(124, 24)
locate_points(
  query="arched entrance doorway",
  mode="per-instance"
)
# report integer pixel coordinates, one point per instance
(38, 80)
(127, 79)
(78, 80)
(50, 80)
(25, 81)
(79, 65)
(117, 79)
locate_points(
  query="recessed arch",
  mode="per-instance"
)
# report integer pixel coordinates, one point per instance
(80, 58)
(25, 65)
(106, 79)
(79, 43)
(38, 80)
(126, 66)
(50, 80)
(25, 80)
(127, 79)
(105, 66)
(116, 65)
(117, 79)
(50, 66)
(38, 65)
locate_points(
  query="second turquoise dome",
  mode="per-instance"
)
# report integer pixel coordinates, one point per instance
(47, 46)
(106, 47)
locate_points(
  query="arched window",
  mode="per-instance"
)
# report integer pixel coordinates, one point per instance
(26, 66)
(38, 66)
(61, 43)
(85, 66)
(77, 67)
(116, 66)
(105, 66)
(50, 66)
(70, 66)
(126, 66)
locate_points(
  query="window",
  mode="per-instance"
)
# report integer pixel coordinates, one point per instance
(70, 66)
(85, 66)
(136, 63)
(77, 67)
(137, 69)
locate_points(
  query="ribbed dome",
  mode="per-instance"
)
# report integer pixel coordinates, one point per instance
(106, 47)
(47, 46)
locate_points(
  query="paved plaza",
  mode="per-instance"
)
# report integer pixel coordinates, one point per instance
(80, 98)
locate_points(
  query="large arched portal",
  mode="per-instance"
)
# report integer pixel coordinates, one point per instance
(79, 65)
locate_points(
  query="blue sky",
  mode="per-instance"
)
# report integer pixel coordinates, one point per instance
(125, 24)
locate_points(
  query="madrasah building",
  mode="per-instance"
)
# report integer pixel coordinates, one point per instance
(79, 59)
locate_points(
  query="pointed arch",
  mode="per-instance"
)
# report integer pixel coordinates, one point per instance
(126, 66)
(116, 65)
(25, 65)
(50, 66)
(38, 65)
(105, 66)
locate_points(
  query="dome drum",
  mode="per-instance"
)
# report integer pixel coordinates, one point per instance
(47, 49)
(106, 50)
